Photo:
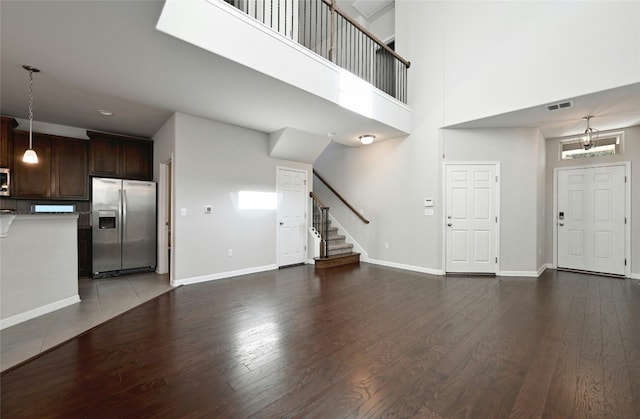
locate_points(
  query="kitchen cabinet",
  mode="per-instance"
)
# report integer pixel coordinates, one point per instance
(61, 171)
(69, 169)
(104, 153)
(31, 180)
(84, 252)
(5, 139)
(120, 156)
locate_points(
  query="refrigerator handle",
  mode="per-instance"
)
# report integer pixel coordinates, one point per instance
(124, 212)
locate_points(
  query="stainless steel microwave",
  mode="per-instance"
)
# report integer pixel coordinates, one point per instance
(5, 182)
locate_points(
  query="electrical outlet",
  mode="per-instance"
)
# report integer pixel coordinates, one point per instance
(183, 211)
(230, 252)
(208, 209)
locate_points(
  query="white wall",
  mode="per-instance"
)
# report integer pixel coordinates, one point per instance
(630, 153)
(541, 200)
(471, 60)
(517, 150)
(503, 56)
(164, 143)
(256, 45)
(39, 269)
(212, 163)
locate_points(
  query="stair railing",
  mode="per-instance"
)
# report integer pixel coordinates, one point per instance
(320, 26)
(321, 223)
(360, 216)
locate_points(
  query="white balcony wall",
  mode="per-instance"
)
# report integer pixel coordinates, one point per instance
(210, 24)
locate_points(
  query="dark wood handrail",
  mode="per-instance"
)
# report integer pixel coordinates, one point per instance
(364, 220)
(331, 4)
(315, 198)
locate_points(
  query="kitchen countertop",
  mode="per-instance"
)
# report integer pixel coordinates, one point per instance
(7, 218)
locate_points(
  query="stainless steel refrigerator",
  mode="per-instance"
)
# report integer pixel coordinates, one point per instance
(123, 216)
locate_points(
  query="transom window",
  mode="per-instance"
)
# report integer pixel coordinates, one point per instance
(606, 145)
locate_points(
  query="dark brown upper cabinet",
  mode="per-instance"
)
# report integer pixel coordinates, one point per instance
(62, 171)
(120, 156)
(31, 180)
(6, 138)
(69, 168)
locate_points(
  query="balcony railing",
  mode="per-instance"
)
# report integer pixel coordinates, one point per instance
(326, 30)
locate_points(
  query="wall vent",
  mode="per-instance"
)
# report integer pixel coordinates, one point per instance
(561, 105)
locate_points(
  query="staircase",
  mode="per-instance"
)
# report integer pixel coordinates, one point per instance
(339, 251)
(334, 251)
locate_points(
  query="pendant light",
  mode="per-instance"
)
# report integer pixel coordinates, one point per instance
(590, 135)
(30, 155)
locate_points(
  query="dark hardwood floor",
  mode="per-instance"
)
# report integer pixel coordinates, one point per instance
(361, 341)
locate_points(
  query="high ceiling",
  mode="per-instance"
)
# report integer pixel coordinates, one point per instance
(107, 55)
(611, 109)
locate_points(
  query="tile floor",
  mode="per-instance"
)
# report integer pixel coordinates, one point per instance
(101, 300)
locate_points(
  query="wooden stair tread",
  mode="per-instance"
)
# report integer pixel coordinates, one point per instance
(337, 260)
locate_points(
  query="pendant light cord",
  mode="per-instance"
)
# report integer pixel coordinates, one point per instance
(30, 109)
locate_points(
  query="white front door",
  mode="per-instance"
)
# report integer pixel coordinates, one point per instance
(471, 218)
(292, 221)
(591, 219)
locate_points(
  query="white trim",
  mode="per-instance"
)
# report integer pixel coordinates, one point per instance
(308, 213)
(634, 276)
(529, 274)
(628, 213)
(222, 275)
(444, 202)
(39, 311)
(163, 235)
(407, 267)
(364, 256)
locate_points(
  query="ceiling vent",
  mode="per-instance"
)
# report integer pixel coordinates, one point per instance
(368, 8)
(561, 105)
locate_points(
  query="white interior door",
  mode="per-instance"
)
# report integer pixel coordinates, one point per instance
(591, 219)
(292, 221)
(471, 218)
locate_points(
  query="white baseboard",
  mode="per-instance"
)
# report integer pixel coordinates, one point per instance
(406, 267)
(39, 311)
(310, 262)
(221, 275)
(529, 274)
(634, 276)
(544, 267)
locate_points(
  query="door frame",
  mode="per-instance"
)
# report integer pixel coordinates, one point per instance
(164, 201)
(306, 208)
(443, 216)
(627, 209)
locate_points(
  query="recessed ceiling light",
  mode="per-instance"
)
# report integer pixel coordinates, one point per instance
(105, 112)
(367, 139)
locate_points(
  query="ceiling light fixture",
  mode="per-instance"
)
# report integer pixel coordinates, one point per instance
(30, 155)
(367, 139)
(590, 136)
(105, 112)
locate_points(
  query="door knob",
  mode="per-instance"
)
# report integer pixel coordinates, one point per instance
(281, 223)
(449, 224)
(561, 224)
